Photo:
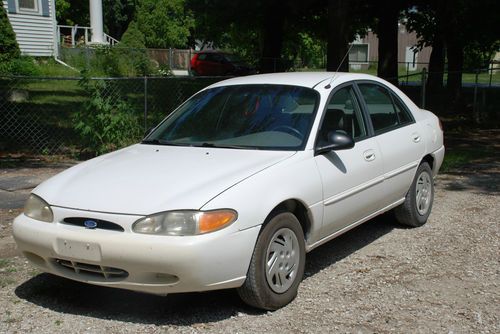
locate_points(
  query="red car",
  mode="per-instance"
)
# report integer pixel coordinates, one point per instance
(215, 63)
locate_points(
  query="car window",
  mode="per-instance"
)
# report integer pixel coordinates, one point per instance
(343, 114)
(380, 107)
(255, 116)
(202, 56)
(402, 112)
(215, 57)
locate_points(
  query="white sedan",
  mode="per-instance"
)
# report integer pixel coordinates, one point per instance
(236, 185)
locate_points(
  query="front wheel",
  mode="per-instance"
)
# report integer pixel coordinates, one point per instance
(277, 264)
(418, 202)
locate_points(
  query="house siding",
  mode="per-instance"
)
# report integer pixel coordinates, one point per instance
(35, 33)
(405, 39)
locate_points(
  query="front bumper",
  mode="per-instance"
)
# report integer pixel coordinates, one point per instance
(147, 263)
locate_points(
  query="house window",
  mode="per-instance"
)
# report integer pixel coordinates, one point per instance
(358, 53)
(28, 5)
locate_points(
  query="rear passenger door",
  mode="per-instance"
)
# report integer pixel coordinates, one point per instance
(397, 135)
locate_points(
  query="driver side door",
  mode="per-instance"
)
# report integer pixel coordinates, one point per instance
(352, 178)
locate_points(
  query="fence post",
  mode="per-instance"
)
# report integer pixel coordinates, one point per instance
(407, 72)
(424, 84)
(491, 73)
(87, 58)
(145, 103)
(475, 110)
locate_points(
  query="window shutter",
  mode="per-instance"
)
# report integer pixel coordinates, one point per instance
(11, 6)
(45, 8)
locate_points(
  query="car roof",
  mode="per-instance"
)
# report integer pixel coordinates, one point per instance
(304, 79)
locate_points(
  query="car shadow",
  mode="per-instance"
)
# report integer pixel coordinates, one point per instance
(66, 296)
(349, 242)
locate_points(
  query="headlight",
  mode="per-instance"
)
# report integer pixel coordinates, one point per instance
(38, 209)
(185, 222)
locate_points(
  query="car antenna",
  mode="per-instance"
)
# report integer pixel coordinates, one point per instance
(336, 71)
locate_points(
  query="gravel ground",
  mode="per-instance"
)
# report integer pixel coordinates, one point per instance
(378, 278)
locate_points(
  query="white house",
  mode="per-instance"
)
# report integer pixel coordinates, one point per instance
(34, 22)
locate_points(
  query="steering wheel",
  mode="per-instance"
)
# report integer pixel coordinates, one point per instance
(288, 129)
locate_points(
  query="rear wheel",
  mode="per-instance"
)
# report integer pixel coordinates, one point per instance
(417, 206)
(277, 264)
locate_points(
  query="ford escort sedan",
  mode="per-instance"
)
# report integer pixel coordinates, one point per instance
(236, 185)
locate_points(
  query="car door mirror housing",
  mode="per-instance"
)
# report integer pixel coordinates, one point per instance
(337, 140)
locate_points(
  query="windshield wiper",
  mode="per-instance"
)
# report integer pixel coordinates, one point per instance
(163, 142)
(238, 147)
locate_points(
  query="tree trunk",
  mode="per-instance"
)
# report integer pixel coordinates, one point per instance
(387, 31)
(272, 37)
(436, 73)
(455, 66)
(338, 36)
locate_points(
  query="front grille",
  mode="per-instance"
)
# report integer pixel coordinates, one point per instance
(108, 273)
(102, 224)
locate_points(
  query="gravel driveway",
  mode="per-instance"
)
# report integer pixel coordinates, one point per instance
(443, 277)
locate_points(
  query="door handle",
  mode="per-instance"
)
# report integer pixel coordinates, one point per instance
(416, 137)
(369, 155)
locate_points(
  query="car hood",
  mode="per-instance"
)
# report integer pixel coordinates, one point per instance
(145, 179)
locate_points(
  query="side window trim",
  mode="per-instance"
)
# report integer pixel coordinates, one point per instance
(403, 105)
(357, 101)
(364, 109)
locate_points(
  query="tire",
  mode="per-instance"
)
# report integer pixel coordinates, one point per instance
(282, 239)
(418, 202)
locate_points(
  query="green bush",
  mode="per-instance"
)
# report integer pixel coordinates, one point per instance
(9, 49)
(106, 121)
(19, 66)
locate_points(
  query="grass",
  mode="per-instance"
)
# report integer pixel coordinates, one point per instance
(469, 148)
(51, 68)
(4, 263)
(454, 159)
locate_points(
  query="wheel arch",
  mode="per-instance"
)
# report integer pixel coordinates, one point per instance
(430, 160)
(299, 209)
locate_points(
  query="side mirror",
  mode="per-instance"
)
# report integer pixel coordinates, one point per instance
(337, 140)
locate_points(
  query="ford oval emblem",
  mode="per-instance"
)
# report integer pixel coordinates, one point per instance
(91, 224)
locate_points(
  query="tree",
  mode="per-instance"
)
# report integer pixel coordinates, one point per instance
(339, 35)
(117, 16)
(164, 23)
(427, 19)
(387, 32)
(9, 49)
(345, 20)
(460, 28)
(72, 12)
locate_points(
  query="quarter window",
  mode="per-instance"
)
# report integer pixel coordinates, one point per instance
(403, 115)
(382, 110)
(343, 114)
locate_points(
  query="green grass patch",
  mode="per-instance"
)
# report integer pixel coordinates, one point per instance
(458, 157)
(51, 68)
(4, 263)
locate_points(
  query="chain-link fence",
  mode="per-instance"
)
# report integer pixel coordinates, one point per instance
(38, 114)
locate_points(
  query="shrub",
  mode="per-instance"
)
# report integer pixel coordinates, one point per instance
(106, 122)
(19, 66)
(9, 49)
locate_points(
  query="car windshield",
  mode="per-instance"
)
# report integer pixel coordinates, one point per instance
(273, 117)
